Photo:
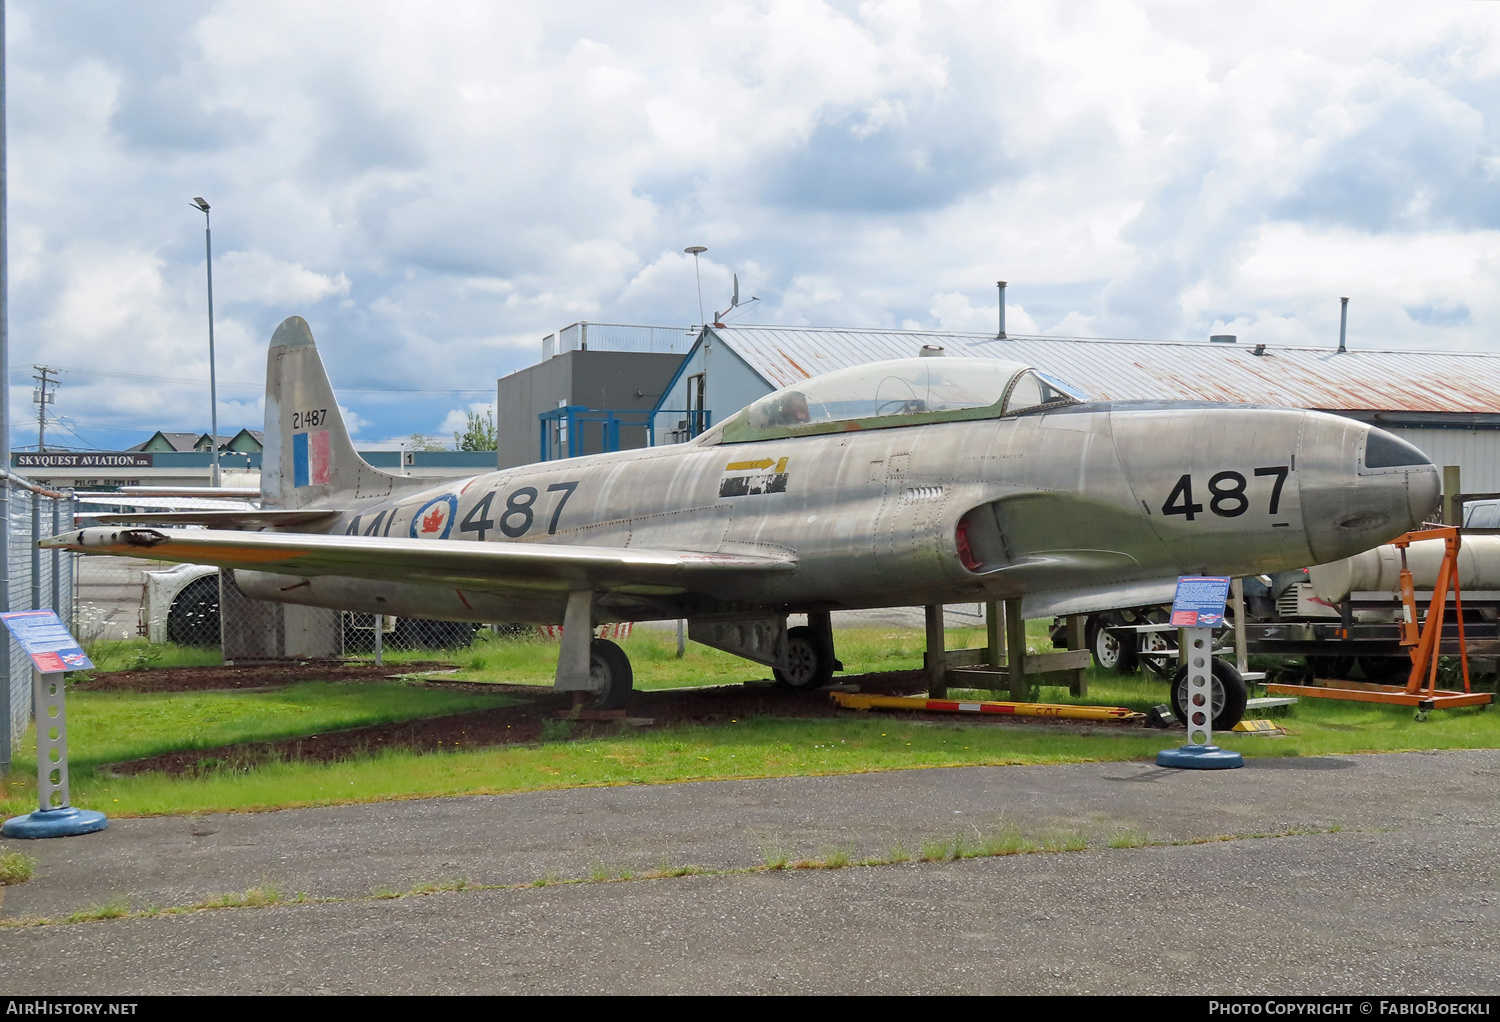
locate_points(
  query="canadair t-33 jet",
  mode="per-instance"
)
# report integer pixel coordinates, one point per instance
(904, 483)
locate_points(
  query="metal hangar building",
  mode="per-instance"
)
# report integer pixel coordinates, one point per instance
(1446, 403)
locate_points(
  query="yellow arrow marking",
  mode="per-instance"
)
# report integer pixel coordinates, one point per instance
(739, 466)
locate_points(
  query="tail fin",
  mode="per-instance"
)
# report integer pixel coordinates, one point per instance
(308, 458)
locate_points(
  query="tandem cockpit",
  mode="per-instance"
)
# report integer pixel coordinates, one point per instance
(903, 392)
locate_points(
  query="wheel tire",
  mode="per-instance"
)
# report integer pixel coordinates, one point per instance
(194, 617)
(1228, 691)
(1110, 651)
(1156, 655)
(609, 668)
(809, 660)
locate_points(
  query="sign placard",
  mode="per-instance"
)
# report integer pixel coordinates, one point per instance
(47, 641)
(1200, 601)
(99, 459)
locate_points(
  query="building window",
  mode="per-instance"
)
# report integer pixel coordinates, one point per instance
(697, 401)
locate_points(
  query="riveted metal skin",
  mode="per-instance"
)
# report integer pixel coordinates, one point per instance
(1071, 509)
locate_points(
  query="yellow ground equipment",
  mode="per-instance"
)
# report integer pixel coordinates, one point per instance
(1421, 688)
(855, 701)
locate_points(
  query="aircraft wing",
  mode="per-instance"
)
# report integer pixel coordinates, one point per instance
(482, 567)
(266, 518)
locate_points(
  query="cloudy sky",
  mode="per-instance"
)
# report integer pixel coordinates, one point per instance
(436, 186)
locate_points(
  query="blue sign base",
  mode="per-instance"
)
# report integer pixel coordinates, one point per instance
(64, 822)
(1200, 757)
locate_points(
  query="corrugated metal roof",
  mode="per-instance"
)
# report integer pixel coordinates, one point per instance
(1128, 370)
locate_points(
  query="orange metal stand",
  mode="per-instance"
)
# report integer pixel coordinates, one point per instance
(1421, 688)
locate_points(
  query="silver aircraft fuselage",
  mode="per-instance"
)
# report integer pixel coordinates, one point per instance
(900, 483)
(1072, 509)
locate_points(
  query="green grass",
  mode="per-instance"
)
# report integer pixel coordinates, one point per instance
(109, 727)
(756, 747)
(15, 868)
(140, 655)
(531, 660)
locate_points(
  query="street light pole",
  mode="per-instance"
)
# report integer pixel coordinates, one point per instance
(213, 388)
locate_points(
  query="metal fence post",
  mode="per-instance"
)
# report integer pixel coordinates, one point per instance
(36, 552)
(56, 560)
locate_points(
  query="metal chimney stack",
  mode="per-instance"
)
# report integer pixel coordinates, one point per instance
(1001, 285)
(1343, 322)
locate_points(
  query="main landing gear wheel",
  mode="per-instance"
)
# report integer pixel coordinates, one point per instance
(809, 658)
(1110, 651)
(1155, 653)
(609, 670)
(1229, 695)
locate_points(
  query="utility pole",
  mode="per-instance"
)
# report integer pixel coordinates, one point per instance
(46, 377)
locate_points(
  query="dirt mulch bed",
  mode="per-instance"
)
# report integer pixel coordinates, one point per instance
(262, 675)
(523, 723)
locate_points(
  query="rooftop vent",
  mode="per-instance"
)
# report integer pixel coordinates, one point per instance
(1223, 338)
(932, 351)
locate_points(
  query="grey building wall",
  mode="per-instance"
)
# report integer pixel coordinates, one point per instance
(620, 380)
(1475, 451)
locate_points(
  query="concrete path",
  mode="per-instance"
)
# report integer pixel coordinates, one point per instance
(1394, 892)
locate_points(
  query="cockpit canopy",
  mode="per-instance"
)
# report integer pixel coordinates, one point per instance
(904, 392)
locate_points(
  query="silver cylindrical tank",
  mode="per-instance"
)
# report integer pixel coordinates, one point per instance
(1379, 570)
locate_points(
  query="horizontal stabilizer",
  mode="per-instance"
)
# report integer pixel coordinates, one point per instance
(482, 567)
(253, 520)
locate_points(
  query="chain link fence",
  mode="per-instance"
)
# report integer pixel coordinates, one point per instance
(37, 579)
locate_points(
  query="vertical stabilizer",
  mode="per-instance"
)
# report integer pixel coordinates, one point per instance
(309, 459)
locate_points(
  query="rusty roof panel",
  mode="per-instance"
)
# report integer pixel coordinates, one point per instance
(1300, 377)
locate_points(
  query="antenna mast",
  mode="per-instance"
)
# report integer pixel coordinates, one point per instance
(695, 251)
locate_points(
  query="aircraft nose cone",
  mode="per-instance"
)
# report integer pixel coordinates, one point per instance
(1366, 487)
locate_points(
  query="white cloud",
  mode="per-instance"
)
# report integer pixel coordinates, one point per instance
(457, 419)
(255, 277)
(435, 194)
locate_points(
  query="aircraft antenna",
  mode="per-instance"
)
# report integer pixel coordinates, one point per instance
(695, 251)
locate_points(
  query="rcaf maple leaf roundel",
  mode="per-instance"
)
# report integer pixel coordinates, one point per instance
(435, 519)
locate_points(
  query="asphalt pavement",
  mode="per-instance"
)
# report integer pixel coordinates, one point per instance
(1360, 874)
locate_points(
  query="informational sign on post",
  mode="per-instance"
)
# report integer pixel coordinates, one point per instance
(1200, 600)
(53, 652)
(44, 638)
(1198, 609)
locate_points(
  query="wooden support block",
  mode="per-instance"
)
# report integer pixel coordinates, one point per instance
(987, 678)
(1080, 685)
(937, 686)
(1015, 651)
(966, 657)
(1046, 663)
